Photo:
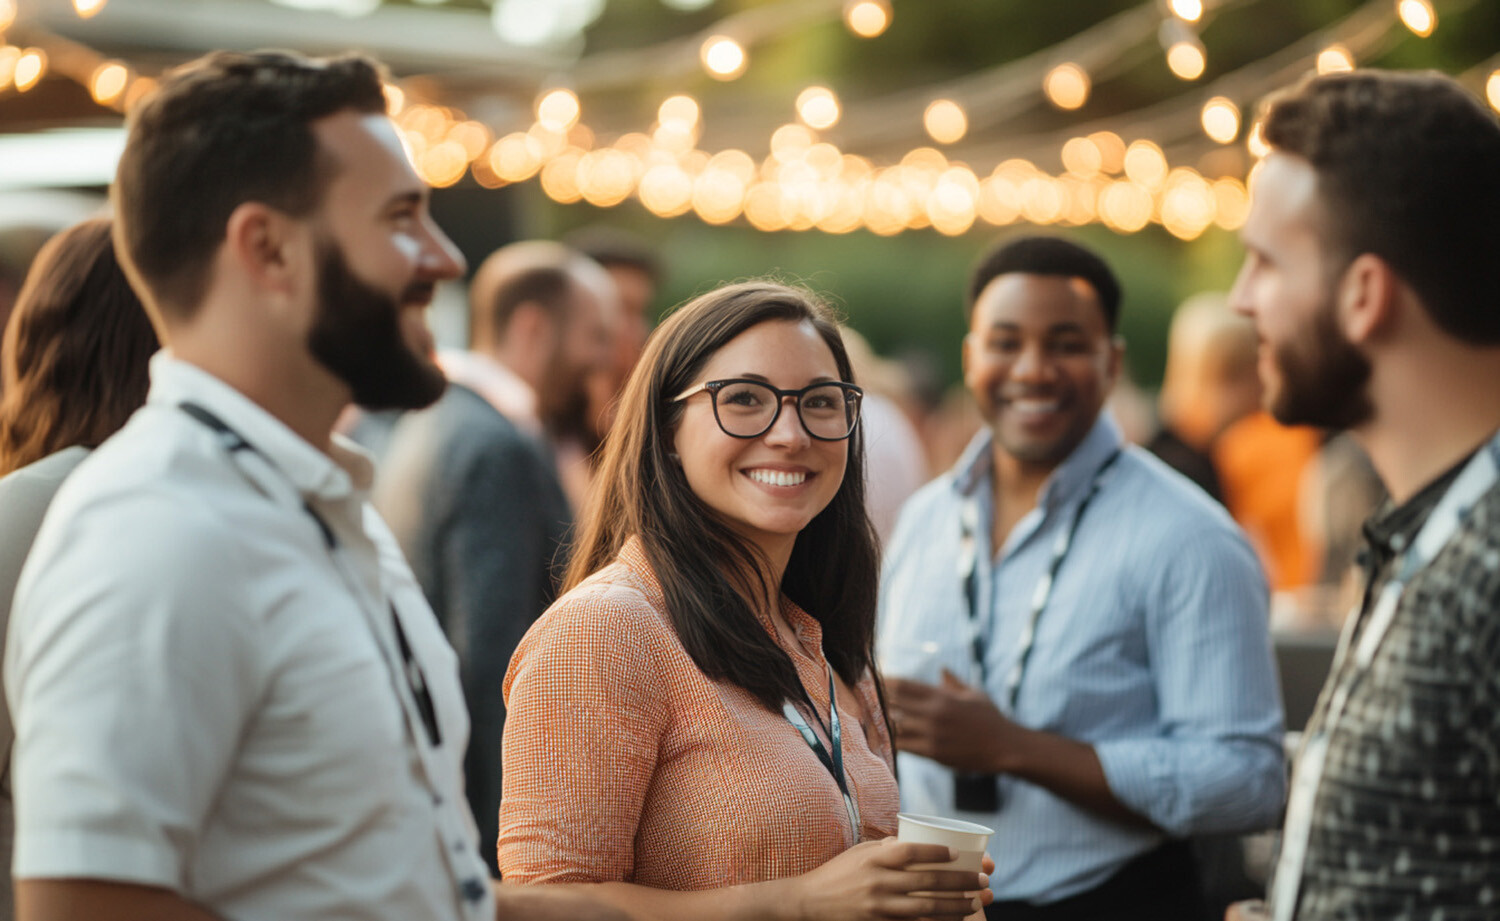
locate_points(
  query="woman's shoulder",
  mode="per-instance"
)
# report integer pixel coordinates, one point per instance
(613, 604)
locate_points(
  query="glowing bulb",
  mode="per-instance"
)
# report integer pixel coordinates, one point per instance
(867, 18)
(723, 57)
(558, 110)
(395, 99)
(1145, 164)
(1082, 157)
(516, 157)
(7, 14)
(472, 136)
(1221, 120)
(1186, 60)
(1067, 85)
(87, 8)
(945, 121)
(1335, 59)
(107, 84)
(30, 67)
(1492, 90)
(682, 109)
(1189, 10)
(818, 107)
(1418, 15)
(1111, 150)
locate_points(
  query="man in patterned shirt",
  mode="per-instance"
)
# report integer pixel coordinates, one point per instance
(1372, 278)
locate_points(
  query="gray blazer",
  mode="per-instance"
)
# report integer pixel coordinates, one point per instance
(480, 513)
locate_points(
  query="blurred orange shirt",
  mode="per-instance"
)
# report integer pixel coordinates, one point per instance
(1261, 465)
(623, 762)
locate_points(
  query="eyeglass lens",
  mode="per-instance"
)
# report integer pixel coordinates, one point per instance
(747, 409)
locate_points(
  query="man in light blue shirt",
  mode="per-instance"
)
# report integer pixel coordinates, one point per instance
(1074, 636)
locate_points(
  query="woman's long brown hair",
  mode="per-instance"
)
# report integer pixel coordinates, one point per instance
(834, 564)
(74, 357)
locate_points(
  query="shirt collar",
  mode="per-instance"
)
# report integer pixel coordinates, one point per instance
(333, 476)
(1070, 478)
(501, 387)
(1394, 527)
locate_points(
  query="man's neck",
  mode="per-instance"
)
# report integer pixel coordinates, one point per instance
(307, 401)
(1431, 417)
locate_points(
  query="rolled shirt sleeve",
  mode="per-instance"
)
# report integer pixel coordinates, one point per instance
(1216, 765)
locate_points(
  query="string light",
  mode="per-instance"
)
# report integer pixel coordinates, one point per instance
(945, 121)
(108, 81)
(1188, 10)
(723, 57)
(1187, 60)
(30, 67)
(87, 8)
(1111, 150)
(680, 108)
(1418, 15)
(867, 18)
(1492, 89)
(558, 110)
(1082, 157)
(1067, 86)
(1335, 59)
(7, 14)
(1221, 120)
(1145, 164)
(818, 107)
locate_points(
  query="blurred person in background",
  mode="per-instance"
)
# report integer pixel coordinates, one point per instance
(1209, 383)
(1108, 620)
(74, 367)
(471, 487)
(696, 726)
(895, 462)
(1370, 275)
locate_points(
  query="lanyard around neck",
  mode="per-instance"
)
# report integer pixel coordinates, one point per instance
(416, 679)
(834, 762)
(1478, 476)
(968, 563)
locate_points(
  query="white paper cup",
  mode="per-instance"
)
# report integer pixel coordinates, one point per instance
(967, 839)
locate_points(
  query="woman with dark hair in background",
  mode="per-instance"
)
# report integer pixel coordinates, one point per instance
(73, 364)
(700, 710)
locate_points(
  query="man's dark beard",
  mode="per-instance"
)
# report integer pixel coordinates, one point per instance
(357, 336)
(1324, 379)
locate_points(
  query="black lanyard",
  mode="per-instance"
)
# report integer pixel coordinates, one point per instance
(969, 572)
(416, 679)
(835, 762)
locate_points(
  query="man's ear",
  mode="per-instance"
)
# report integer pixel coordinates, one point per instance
(267, 246)
(1365, 299)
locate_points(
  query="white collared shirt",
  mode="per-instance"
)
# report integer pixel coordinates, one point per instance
(207, 697)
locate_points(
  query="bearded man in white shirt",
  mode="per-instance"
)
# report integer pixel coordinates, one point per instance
(231, 700)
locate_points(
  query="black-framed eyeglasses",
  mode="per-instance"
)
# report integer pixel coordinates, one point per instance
(746, 408)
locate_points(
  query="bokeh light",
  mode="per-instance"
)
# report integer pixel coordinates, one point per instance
(723, 57)
(818, 107)
(1067, 86)
(1221, 119)
(1418, 16)
(945, 121)
(867, 18)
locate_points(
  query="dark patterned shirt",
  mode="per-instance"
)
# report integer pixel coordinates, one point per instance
(1406, 824)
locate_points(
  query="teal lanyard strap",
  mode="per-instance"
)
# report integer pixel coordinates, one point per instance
(833, 763)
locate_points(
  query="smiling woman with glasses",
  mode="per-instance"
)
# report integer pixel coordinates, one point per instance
(700, 710)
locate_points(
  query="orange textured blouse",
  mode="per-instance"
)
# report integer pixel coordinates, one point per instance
(622, 762)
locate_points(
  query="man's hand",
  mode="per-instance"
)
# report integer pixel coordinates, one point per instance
(952, 723)
(551, 903)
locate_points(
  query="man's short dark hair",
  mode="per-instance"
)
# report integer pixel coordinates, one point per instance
(1408, 168)
(220, 131)
(1047, 256)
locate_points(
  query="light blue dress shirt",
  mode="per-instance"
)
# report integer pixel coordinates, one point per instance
(1154, 648)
